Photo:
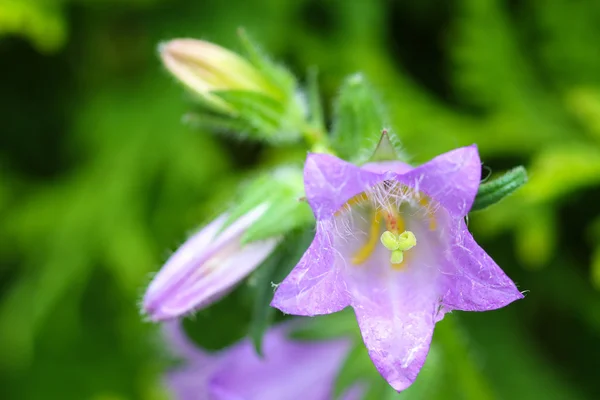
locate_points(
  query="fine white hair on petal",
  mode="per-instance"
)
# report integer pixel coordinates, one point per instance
(383, 196)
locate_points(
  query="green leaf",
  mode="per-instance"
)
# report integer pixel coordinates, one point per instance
(292, 120)
(315, 107)
(282, 190)
(281, 217)
(217, 123)
(562, 169)
(41, 22)
(492, 192)
(328, 326)
(274, 270)
(536, 236)
(465, 371)
(264, 117)
(359, 121)
(282, 79)
(595, 267)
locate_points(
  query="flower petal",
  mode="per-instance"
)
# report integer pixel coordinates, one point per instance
(314, 286)
(397, 309)
(382, 167)
(330, 182)
(205, 267)
(189, 382)
(397, 332)
(222, 273)
(475, 282)
(289, 370)
(179, 343)
(180, 264)
(452, 179)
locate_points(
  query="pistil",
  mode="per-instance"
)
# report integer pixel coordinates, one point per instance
(398, 244)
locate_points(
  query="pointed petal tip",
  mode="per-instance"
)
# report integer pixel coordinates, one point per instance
(172, 48)
(398, 377)
(288, 305)
(452, 179)
(162, 47)
(156, 313)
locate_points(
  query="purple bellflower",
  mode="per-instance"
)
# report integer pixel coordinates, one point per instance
(206, 267)
(289, 370)
(392, 243)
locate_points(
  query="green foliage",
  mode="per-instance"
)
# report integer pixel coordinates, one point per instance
(490, 193)
(41, 21)
(359, 120)
(282, 191)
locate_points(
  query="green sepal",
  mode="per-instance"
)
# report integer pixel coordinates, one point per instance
(359, 118)
(280, 218)
(492, 192)
(271, 272)
(385, 150)
(282, 190)
(293, 117)
(263, 117)
(281, 78)
(218, 123)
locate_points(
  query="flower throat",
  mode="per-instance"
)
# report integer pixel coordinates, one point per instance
(395, 238)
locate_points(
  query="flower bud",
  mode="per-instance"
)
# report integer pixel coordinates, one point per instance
(205, 67)
(206, 267)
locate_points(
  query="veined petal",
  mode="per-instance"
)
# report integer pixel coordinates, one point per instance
(398, 343)
(188, 253)
(397, 309)
(222, 273)
(205, 267)
(330, 182)
(316, 285)
(289, 370)
(474, 281)
(452, 179)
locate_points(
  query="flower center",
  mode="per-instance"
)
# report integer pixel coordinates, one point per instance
(398, 244)
(383, 213)
(391, 239)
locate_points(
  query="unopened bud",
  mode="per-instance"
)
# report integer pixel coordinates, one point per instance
(206, 267)
(205, 68)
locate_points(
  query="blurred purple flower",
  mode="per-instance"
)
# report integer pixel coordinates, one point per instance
(206, 267)
(391, 242)
(290, 370)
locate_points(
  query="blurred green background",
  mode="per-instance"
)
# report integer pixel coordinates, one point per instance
(99, 177)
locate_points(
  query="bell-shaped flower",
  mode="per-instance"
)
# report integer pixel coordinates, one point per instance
(204, 68)
(206, 267)
(392, 243)
(288, 370)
